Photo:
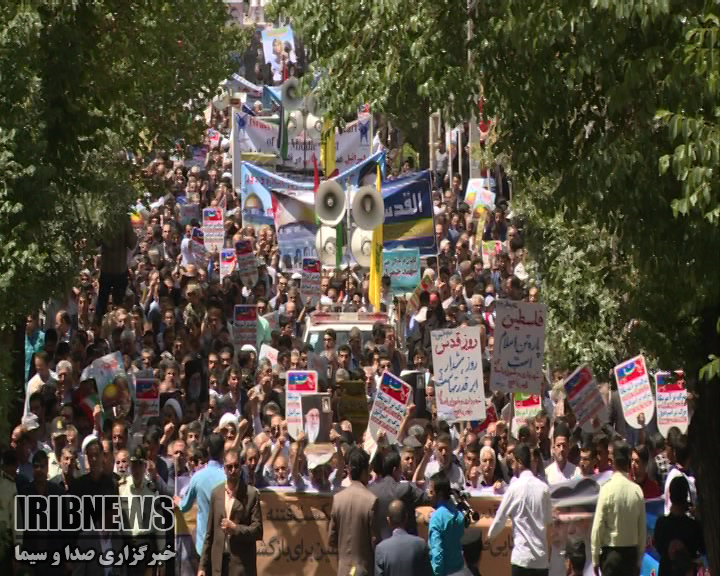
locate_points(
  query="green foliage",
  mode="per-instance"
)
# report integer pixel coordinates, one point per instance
(582, 278)
(577, 87)
(80, 83)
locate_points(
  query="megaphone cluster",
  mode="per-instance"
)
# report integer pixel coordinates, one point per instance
(368, 212)
(305, 111)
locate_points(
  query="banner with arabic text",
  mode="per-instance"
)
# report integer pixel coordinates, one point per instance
(457, 365)
(517, 364)
(295, 530)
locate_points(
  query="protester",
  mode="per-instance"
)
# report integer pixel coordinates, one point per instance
(619, 525)
(677, 532)
(152, 315)
(234, 525)
(445, 530)
(354, 524)
(401, 553)
(527, 503)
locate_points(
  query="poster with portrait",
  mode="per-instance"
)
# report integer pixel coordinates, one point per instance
(112, 385)
(278, 49)
(298, 383)
(316, 417)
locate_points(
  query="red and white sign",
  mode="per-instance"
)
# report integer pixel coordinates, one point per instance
(388, 411)
(585, 399)
(671, 398)
(298, 383)
(213, 229)
(633, 385)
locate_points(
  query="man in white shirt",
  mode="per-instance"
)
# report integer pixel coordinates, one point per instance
(561, 470)
(681, 452)
(527, 502)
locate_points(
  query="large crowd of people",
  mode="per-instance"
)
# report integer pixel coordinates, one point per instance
(217, 444)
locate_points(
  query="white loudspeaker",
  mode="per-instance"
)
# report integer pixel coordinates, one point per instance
(314, 126)
(325, 245)
(310, 104)
(290, 93)
(330, 203)
(295, 124)
(368, 208)
(361, 246)
(313, 105)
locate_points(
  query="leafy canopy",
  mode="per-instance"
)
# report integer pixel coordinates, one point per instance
(592, 98)
(81, 83)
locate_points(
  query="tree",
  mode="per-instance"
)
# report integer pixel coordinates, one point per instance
(592, 98)
(85, 83)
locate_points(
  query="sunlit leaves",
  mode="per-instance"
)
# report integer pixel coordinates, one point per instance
(79, 82)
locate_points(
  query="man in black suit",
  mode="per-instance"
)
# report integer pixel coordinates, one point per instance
(44, 541)
(402, 553)
(389, 488)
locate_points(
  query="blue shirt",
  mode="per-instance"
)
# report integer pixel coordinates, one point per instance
(201, 487)
(33, 344)
(445, 535)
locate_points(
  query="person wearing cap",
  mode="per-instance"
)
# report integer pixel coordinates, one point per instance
(131, 488)
(58, 439)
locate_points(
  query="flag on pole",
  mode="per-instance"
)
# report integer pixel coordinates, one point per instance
(375, 291)
(327, 148)
(282, 133)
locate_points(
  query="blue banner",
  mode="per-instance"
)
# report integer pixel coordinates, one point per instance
(257, 182)
(403, 268)
(409, 214)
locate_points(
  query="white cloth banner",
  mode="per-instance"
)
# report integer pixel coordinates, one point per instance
(517, 364)
(457, 366)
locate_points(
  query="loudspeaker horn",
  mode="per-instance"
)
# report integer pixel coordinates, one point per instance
(310, 104)
(330, 203)
(313, 105)
(326, 245)
(361, 246)
(368, 208)
(295, 124)
(290, 94)
(313, 126)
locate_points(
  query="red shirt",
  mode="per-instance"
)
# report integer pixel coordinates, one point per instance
(650, 488)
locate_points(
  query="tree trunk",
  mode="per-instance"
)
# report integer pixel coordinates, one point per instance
(704, 439)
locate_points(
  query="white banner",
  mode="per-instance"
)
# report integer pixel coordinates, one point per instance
(391, 400)
(517, 364)
(352, 146)
(636, 396)
(458, 375)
